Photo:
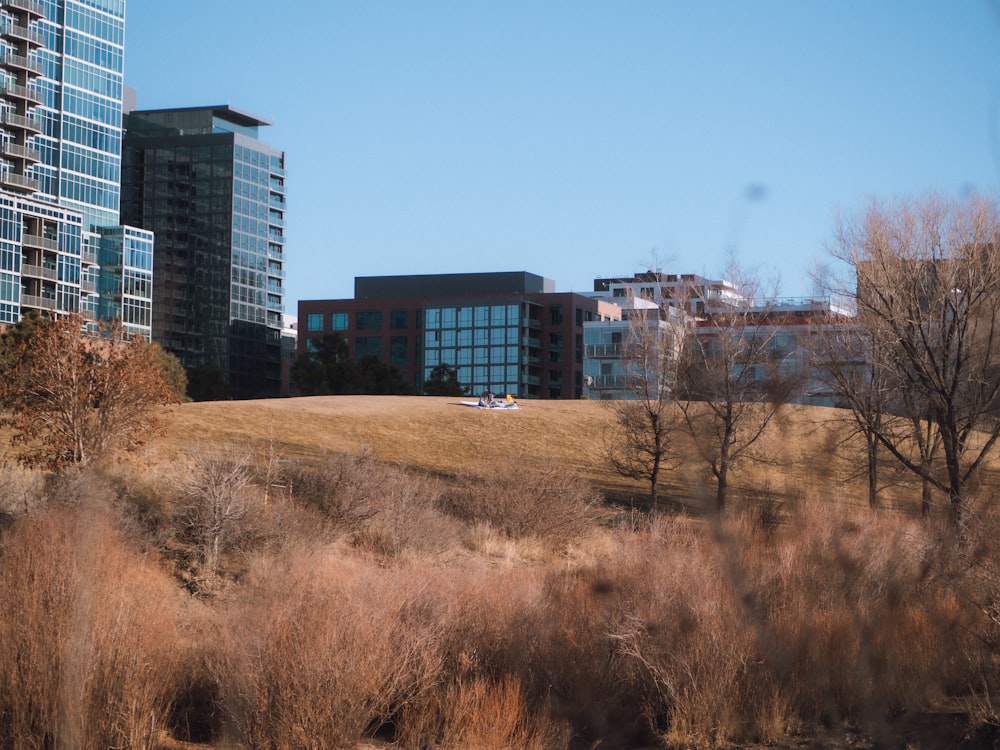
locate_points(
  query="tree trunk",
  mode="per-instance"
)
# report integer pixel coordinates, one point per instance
(722, 485)
(654, 477)
(956, 510)
(872, 471)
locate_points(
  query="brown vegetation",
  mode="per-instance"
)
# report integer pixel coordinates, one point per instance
(477, 596)
(71, 396)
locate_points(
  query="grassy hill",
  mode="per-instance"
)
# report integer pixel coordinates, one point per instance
(804, 451)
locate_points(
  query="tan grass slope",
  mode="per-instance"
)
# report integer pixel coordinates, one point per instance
(800, 452)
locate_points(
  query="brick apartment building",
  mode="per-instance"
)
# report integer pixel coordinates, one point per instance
(507, 331)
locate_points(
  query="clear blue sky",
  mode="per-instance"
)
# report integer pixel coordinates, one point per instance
(574, 138)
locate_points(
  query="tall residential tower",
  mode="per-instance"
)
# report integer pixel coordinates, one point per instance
(61, 247)
(214, 194)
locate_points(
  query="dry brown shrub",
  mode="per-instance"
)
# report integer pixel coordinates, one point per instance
(87, 636)
(972, 570)
(383, 510)
(344, 487)
(493, 715)
(21, 489)
(408, 521)
(575, 665)
(315, 652)
(853, 616)
(480, 619)
(704, 681)
(520, 500)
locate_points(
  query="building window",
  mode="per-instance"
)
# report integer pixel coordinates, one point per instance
(338, 321)
(368, 320)
(367, 345)
(314, 322)
(399, 319)
(397, 350)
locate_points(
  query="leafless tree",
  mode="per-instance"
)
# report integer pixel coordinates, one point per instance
(927, 291)
(221, 497)
(644, 422)
(845, 355)
(732, 379)
(72, 396)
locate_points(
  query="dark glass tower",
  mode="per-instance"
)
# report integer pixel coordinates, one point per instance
(214, 194)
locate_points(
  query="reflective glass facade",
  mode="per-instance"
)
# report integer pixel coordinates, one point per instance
(126, 277)
(39, 258)
(214, 195)
(482, 341)
(61, 83)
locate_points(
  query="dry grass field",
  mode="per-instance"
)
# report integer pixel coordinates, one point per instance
(803, 452)
(348, 572)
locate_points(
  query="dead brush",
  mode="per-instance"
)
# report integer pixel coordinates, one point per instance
(343, 487)
(519, 501)
(316, 647)
(21, 489)
(491, 715)
(703, 681)
(87, 636)
(849, 617)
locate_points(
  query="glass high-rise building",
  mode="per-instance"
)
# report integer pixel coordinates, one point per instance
(61, 247)
(214, 194)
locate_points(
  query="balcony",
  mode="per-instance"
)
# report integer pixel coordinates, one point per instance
(530, 342)
(276, 253)
(36, 240)
(10, 120)
(88, 258)
(88, 287)
(39, 272)
(87, 314)
(22, 63)
(606, 381)
(603, 350)
(21, 93)
(25, 33)
(31, 7)
(44, 303)
(18, 182)
(17, 151)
